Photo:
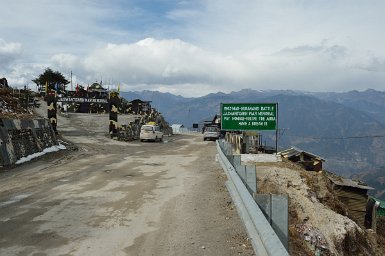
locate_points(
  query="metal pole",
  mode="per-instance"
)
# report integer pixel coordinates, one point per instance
(71, 81)
(276, 130)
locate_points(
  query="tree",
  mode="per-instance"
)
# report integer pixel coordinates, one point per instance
(3, 82)
(54, 79)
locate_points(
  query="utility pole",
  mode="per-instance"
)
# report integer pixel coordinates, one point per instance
(71, 82)
(276, 130)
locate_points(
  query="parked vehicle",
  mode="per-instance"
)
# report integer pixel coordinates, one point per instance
(211, 133)
(150, 132)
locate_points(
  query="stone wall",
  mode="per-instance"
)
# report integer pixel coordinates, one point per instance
(131, 131)
(21, 138)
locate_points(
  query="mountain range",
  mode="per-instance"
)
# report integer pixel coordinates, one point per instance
(346, 129)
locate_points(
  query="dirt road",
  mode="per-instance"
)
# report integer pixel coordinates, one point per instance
(119, 198)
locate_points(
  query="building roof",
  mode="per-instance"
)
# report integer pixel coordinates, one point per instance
(97, 87)
(293, 151)
(340, 181)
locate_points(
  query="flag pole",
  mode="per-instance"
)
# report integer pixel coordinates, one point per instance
(71, 82)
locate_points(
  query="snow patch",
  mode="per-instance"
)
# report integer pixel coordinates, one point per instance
(38, 154)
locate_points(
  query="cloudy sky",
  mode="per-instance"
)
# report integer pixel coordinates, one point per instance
(196, 47)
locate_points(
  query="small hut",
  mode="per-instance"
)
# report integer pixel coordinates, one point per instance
(354, 194)
(140, 107)
(310, 161)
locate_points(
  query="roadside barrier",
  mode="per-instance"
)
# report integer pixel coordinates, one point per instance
(263, 237)
(21, 138)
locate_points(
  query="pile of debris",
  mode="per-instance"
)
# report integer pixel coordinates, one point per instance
(11, 103)
(315, 239)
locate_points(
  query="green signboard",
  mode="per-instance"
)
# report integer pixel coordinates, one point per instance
(249, 116)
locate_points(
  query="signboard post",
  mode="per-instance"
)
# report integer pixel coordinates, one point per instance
(250, 117)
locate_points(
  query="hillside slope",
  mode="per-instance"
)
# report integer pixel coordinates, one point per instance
(370, 101)
(317, 219)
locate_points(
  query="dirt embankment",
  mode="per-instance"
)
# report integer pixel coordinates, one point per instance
(13, 103)
(317, 219)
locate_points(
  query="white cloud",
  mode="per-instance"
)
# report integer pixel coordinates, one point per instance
(198, 47)
(273, 25)
(163, 61)
(21, 74)
(9, 48)
(9, 53)
(372, 63)
(179, 67)
(63, 60)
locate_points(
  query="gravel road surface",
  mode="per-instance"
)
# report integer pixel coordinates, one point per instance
(119, 198)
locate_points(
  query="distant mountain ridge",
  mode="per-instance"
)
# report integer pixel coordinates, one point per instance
(322, 123)
(370, 101)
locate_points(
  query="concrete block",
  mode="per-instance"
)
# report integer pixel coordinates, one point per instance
(20, 138)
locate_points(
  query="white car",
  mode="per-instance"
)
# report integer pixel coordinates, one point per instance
(150, 132)
(211, 133)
